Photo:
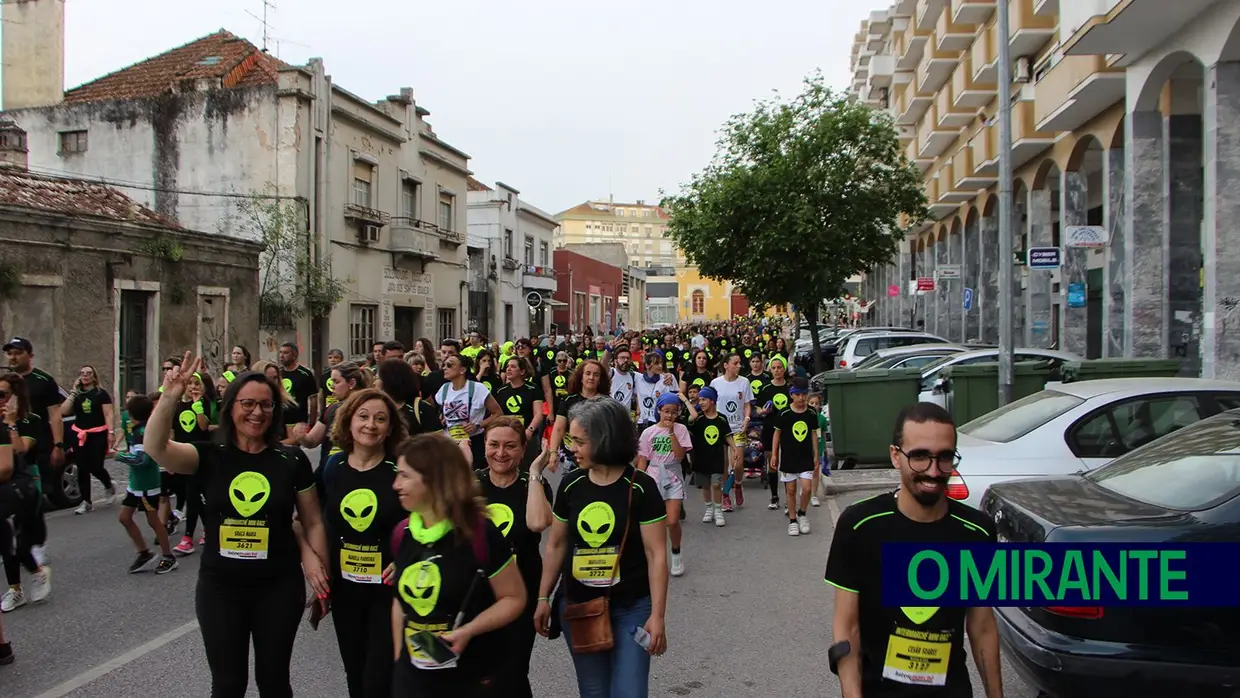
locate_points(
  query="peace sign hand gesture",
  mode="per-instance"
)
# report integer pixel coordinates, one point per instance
(176, 380)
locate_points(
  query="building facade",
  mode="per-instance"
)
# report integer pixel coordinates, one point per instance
(1122, 120)
(514, 242)
(588, 293)
(632, 299)
(640, 227)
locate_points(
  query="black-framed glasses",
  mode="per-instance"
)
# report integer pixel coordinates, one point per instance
(920, 459)
(249, 405)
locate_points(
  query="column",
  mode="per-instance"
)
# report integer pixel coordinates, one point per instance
(972, 276)
(942, 297)
(1115, 271)
(923, 321)
(904, 302)
(1073, 210)
(1220, 338)
(1038, 291)
(1016, 295)
(988, 294)
(955, 288)
(1145, 327)
(1184, 202)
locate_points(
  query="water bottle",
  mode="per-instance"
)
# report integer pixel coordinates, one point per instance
(642, 637)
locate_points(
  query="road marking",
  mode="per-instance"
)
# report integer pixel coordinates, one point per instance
(111, 665)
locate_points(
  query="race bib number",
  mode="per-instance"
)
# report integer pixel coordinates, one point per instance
(458, 433)
(244, 542)
(921, 662)
(595, 567)
(361, 566)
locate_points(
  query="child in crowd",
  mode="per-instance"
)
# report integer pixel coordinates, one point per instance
(712, 446)
(661, 452)
(824, 436)
(795, 450)
(144, 491)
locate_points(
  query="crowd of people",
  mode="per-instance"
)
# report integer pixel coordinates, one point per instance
(420, 528)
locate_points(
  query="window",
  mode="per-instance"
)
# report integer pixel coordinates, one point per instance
(363, 176)
(446, 204)
(649, 230)
(1016, 419)
(529, 255)
(447, 324)
(409, 198)
(544, 254)
(361, 329)
(72, 142)
(620, 212)
(508, 243)
(699, 303)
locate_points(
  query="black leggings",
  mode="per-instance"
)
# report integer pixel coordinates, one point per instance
(193, 505)
(523, 635)
(89, 458)
(22, 504)
(362, 616)
(232, 611)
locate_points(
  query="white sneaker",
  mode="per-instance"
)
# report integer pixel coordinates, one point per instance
(83, 508)
(13, 600)
(719, 521)
(39, 552)
(803, 524)
(793, 529)
(41, 585)
(178, 515)
(109, 495)
(813, 502)
(678, 564)
(709, 515)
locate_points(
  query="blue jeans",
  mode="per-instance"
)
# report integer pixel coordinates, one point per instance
(624, 672)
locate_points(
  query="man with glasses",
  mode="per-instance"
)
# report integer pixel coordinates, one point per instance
(874, 643)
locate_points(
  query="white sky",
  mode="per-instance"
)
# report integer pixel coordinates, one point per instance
(565, 100)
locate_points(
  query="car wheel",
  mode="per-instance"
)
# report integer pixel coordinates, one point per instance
(61, 488)
(848, 463)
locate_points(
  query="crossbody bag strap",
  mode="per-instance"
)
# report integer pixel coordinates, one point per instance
(615, 568)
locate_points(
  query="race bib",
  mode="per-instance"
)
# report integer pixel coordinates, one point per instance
(361, 564)
(920, 661)
(594, 567)
(458, 433)
(244, 542)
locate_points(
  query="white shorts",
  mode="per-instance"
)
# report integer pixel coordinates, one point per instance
(671, 479)
(793, 477)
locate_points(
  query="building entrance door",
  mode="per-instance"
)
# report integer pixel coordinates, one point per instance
(406, 322)
(131, 361)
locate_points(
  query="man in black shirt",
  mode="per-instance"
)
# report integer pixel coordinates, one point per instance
(45, 400)
(883, 651)
(334, 357)
(299, 382)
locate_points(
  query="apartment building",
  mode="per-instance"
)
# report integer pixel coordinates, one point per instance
(1124, 116)
(640, 227)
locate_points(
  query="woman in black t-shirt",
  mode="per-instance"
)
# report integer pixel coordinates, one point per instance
(345, 378)
(697, 373)
(94, 424)
(519, 398)
(520, 505)
(486, 372)
(360, 509)
(607, 539)
(250, 585)
(452, 562)
(590, 379)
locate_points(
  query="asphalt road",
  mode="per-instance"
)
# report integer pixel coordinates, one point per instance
(751, 617)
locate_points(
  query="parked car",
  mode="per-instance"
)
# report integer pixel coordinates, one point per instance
(932, 390)
(1079, 427)
(1182, 487)
(857, 346)
(911, 356)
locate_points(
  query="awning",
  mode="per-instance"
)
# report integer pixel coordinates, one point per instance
(553, 303)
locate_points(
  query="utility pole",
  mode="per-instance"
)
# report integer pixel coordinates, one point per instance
(1006, 254)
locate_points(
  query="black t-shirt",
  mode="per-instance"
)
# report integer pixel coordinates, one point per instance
(302, 385)
(506, 507)
(187, 428)
(328, 447)
(710, 444)
(431, 383)
(597, 516)
(559, 388)
(758, 382)
(422, 419)
(747, 352)
(492, 382)
(546, 361)
(700, 379)
(32, 427)
(247, 516)
(88, 408)
(796, 439)
(518, 402)
(889, 636)
(44, 394)
(360, 510)
(432, 579)
(774, 394)
(325, 388)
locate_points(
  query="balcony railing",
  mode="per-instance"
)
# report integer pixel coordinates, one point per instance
(541, 272)
(1057, 85)
(966, 92)
(950, 35)
(984, 54)
(366, 214)
(407, 238)
(928, 13)
(971, 11)
(1029, 31)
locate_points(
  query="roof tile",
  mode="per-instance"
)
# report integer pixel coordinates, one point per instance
(74, 197)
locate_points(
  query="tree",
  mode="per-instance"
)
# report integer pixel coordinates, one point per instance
(800, 196)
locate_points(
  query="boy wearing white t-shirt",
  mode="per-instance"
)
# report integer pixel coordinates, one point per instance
(735, 396)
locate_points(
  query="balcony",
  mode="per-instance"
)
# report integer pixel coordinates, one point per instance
(984, 57)
(904, 8)
(923, 164)
(971, 11)
(411, 241)
(949, 191)
(936, 69)
(1027, 140)
(365, 214)
(1046, 8)
(1029, 32)
(537, 278)
(950, 117)
(909, 46)
(880, 22)
(967, 93)
(935, 191)
(1075, 90)
(985, 153)
(881, 70)
(933, 140)
(928, 12)
(951, 37)
(1133, 27)
(965, 170)
(906, 134)
(911, 104)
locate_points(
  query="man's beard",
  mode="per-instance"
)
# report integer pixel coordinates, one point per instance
(928, 499)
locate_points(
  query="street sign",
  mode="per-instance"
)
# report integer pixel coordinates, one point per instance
(925, 283)
(1076, 295)
(967, 299)
(1085, 236)
(947, 271)
(893, 290)
(533, 299)
(1043, 257)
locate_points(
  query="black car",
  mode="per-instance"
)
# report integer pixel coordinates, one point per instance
(1183, 487)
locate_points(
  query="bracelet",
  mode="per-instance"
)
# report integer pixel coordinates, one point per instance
(545, 598)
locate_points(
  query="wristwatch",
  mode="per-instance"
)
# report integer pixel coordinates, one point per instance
(60, 445)
(837, 652)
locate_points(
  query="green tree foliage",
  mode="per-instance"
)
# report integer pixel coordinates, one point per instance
(800, 196)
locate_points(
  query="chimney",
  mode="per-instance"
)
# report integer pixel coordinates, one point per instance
(32, 53)
(13, 153)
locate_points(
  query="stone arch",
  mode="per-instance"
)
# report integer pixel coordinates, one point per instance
(1043, 177)
(957, 225)
(1231, 47)
(990, 205)
(974, 213)
(1087, 146)
(1150, 95)
(1118, 139)
(921, 244)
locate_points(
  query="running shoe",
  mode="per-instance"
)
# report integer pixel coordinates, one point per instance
(13, 600)
(719, 521)
(6, 654)
(84, 507)
(678, 564)
(727, 503)
(167, 563)
(41, 585)
(141, 561)
(793, 529)
(813, 502)
(171, 525)
(740, 496)
(709, 514)
(803, 524)
(185, 547)
(109, 495)
(774, 504)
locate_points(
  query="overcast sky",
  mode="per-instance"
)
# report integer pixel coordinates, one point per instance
(566, 100)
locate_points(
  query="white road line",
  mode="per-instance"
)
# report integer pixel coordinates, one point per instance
(111, 665)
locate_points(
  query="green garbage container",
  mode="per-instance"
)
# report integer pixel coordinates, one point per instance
(974, 388)
(864, 405)
(1099, 369)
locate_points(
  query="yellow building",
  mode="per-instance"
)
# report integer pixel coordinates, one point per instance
(640, 227)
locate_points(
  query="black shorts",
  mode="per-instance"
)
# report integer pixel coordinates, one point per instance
(147, 502)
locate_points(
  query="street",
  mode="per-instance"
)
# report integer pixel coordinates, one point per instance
(750, 617)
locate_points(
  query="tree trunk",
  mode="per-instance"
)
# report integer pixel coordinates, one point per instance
(811, 316)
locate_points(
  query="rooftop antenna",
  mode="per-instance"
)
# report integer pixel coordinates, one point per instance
(279, 42)
(268, 6)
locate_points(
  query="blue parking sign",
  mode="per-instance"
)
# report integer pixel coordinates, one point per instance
(968, 299)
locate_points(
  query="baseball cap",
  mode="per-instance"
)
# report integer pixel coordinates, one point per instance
(708, 393)
(19, 343)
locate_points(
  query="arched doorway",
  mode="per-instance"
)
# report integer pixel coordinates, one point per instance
(1080, 204)
(1041, 292)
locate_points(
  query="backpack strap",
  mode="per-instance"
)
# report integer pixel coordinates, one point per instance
(398, 535)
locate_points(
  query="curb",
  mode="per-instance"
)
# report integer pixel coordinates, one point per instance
(860, 487)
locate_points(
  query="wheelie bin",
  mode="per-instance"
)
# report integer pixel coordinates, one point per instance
(973, 389)
(1099, 369)
(864, 406)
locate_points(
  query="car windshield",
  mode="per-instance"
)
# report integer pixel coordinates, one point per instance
(1195, 468)
(871, 361)
(1016, 419)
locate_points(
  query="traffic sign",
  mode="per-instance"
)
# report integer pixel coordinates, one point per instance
(947, 271)
(893, 290)
(1085, 236)
(534, 299)
(1043, 257)
(925, 283)
(967, 299)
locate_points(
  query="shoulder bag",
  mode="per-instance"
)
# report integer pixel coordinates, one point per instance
(589, 622)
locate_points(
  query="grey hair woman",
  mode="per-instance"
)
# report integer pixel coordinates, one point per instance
(596, 512)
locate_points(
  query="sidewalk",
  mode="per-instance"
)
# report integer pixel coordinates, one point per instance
(867, 479)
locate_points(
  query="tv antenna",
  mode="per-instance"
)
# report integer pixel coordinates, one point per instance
(268, 7)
